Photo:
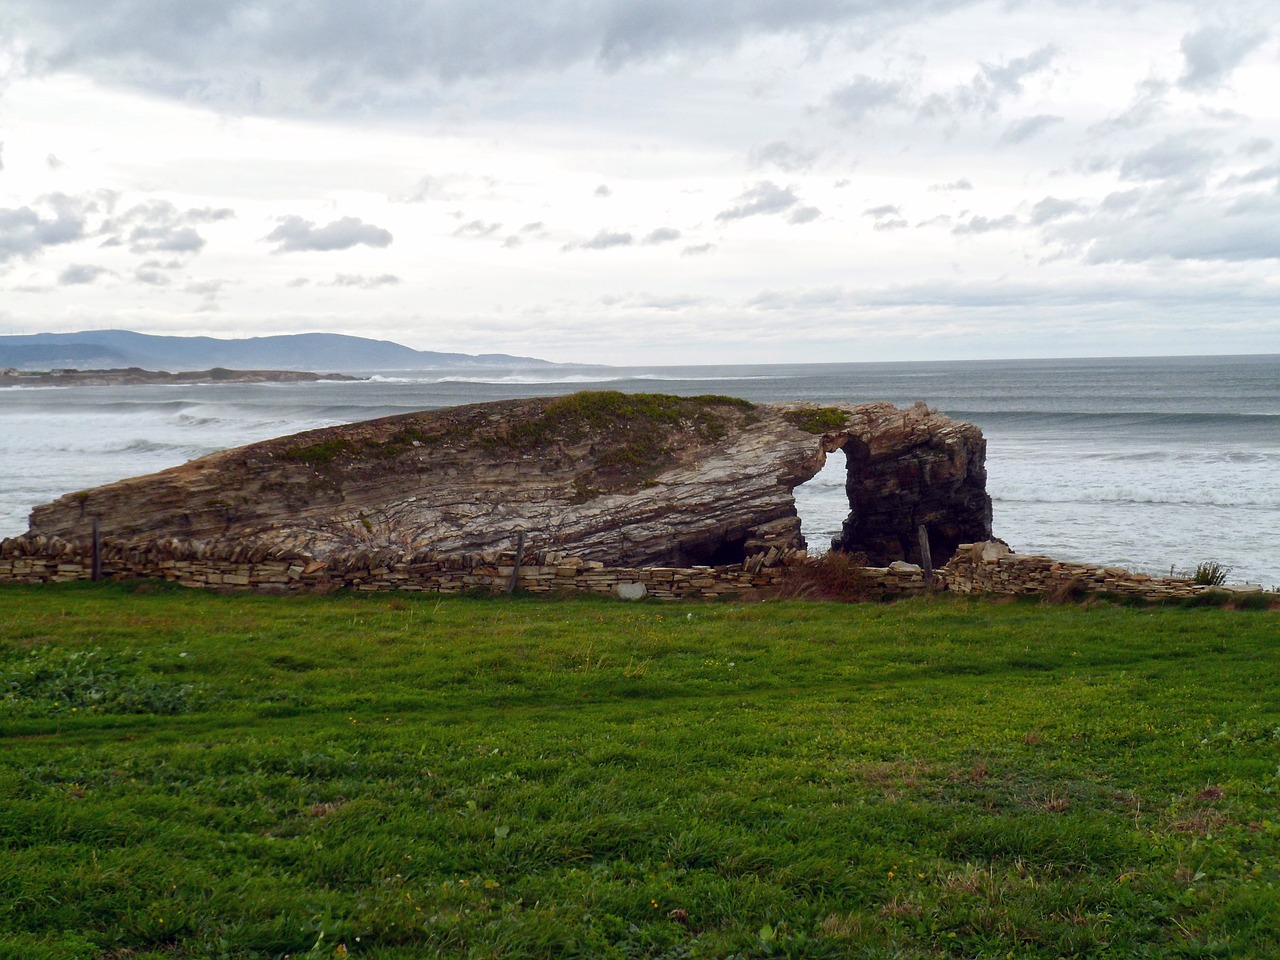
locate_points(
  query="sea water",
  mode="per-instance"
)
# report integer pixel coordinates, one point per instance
(1149, 464)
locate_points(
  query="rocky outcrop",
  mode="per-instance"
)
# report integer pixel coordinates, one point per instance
(623, 479)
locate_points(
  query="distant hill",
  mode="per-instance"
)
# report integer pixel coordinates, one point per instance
(101, 349)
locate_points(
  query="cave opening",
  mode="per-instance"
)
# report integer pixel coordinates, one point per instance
(720, 551)
(822, 503)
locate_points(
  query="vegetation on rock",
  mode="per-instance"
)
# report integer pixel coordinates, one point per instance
(818, 420)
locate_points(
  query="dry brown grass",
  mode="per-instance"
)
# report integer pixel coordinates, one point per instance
(833, 576)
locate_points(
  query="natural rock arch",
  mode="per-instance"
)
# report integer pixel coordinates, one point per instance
(626, 479)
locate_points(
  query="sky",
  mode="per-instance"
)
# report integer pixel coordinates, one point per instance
(649, 181)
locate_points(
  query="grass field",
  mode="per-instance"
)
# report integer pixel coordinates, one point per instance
(185, 774)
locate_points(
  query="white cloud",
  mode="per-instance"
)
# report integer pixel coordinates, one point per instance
(294, 234)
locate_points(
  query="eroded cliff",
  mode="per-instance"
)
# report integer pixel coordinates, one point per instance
(627, 479)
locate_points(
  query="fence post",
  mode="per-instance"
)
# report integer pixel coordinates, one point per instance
(926, 560)
(515, 571)
(96, 553)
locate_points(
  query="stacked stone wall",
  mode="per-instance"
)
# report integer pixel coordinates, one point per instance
(987, 568)
(993, 568)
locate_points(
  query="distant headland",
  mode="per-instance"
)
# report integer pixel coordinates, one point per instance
(129, 376)
(116, 349)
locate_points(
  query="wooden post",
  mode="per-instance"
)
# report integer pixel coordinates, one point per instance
(96, 553)
(515, 571)
(926, 559)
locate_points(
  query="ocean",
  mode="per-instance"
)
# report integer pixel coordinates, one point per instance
(1151, 464)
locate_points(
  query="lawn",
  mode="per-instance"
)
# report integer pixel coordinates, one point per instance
(187, 774)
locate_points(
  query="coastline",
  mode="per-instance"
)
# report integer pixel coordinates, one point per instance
(136, 376)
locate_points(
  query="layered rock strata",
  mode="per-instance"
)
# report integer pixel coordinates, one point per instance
(623, 479)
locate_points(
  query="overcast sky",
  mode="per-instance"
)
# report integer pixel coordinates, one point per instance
(649, 181)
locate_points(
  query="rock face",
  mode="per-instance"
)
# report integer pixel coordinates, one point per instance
(626, 479)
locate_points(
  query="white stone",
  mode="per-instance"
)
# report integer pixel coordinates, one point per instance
(631, 591)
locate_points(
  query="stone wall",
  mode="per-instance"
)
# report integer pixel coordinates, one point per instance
(993, 568)
(988, 568)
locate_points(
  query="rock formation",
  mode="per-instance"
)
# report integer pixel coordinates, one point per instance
(626, 479)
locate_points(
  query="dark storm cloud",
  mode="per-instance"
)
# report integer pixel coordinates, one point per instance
(294, 234)
(80, 273)
(157, 226)
(765, 197)
(1212, 53)
(1022, 130)
(258, 53)
(53, 220)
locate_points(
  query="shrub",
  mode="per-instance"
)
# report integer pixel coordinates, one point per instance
(835, 575)
(1211, 574)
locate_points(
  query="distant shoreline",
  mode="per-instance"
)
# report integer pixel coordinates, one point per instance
(136, 376)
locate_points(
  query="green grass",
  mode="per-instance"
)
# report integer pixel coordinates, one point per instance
(193, 775)
(818, 420)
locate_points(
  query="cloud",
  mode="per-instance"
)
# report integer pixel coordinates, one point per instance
(784, 156)
(262, 55)
(1150, 97)
(294, 235)
(662, 235)
(766, 197)
(81, 273)
(865, 95)
(990, 86)
(804, 215)
(1163, 220)
(697, 250)
(1022, 130)
(984, 225)
(1256, 175)
(152, 274)
(1256, 146)
(604, 240)
(603, 191)
(1212, 53)
(885, 210)
(361, 282)
(1176, 156)
(53, 220)
(476, 229)
(158, 226)
(1051, 208)
(53, 163)
(962, 184)
(427, 188)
